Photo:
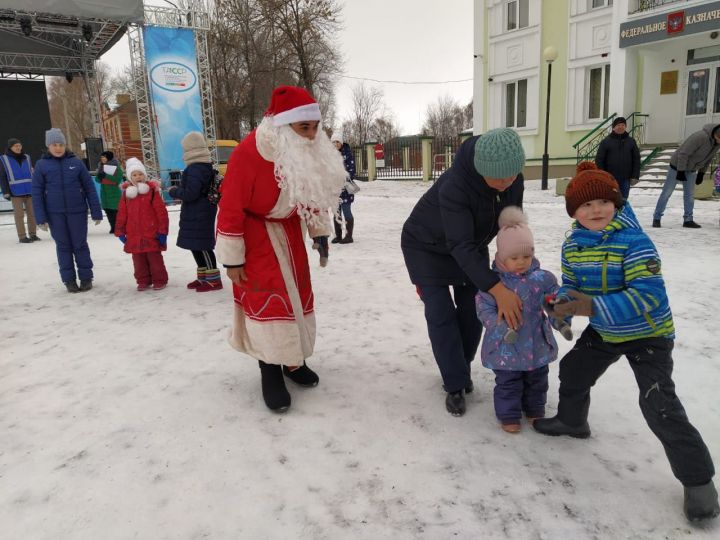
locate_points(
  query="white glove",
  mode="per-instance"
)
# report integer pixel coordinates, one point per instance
(43, 226)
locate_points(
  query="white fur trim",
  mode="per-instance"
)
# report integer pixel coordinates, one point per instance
(131, 192)
(304, 113)
(230, 249)
(143, 188)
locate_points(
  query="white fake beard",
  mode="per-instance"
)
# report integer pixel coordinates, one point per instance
(311, 172)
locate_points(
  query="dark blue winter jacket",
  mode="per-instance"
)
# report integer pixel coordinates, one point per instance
(349, 162)
(197, 214)
(63, 186)
(445, 239)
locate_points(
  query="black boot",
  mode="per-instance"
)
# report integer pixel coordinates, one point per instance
(338, 232)
(72, 286)
(455, 403)
(349, 225)
(304, 376)
(276, 396)
(701, 502)
(554, 427)
(85, 285)
(691, 225)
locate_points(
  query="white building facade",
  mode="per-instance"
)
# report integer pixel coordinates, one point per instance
(659, 58)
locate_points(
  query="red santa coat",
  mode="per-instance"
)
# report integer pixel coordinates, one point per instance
(257, 228)
(141, 218)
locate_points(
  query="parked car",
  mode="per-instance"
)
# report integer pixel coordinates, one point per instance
(224, 149)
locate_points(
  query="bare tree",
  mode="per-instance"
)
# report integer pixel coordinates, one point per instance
(68, 103)
(384, 129)
(367, 107)
(445, 118)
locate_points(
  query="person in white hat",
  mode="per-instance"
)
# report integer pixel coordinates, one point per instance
(285, 172)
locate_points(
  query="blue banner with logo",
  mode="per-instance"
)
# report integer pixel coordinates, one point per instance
(174, 89)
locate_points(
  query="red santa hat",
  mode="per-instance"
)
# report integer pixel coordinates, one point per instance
(290, 104)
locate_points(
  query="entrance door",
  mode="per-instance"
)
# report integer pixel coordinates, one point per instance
(702, 102)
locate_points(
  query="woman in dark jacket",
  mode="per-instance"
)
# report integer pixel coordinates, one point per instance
(445, 244)
(346, 199)
(197, 213)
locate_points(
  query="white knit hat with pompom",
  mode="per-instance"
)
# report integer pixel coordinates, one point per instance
(514, 237)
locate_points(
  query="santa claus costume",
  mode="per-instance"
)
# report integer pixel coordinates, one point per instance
(278, 177)
(142, 226)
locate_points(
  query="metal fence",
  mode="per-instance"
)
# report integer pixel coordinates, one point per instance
(443, 153)
(403, 159)
(361, 168)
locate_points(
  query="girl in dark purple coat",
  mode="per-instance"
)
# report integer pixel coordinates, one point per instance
(518, 356)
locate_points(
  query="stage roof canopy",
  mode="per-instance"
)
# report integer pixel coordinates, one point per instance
(60, 37)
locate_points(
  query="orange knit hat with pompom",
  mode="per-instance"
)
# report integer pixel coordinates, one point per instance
(591, 183)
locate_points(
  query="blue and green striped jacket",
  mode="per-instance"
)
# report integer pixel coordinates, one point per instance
(620, 268)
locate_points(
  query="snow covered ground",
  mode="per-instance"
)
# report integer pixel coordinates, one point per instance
(126, 415)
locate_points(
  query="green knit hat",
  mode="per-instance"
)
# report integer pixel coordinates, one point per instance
(499, 154)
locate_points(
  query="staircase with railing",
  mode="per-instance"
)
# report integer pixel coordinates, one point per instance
(586, 148)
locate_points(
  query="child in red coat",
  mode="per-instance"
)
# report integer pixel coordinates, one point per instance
(142, 225)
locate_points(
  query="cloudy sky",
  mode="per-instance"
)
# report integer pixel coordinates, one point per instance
(399, 40)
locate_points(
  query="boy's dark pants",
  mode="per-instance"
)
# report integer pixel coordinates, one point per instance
(454, 331)
(520, 391)
(651, 361)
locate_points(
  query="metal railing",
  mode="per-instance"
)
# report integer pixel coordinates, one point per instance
(586, 148)
(638, 6)
(403, 158)
(443, 153)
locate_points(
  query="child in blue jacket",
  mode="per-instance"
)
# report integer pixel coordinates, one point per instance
(62, 191)
(519, 357)
(612, 274)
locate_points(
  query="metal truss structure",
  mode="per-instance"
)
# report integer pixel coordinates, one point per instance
(197, 18)
(57, 45)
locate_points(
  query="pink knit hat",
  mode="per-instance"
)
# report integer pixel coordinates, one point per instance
(514, 237)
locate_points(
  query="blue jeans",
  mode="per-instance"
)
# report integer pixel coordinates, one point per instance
(345, 210)
(667, 190)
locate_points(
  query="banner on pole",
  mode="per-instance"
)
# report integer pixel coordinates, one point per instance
(175, 91)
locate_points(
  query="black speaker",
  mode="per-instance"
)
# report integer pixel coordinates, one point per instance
(93, 149)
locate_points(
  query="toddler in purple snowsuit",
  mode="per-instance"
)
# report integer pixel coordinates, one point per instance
(518, 356)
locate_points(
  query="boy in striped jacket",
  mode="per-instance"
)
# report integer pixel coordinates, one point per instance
(612, 274)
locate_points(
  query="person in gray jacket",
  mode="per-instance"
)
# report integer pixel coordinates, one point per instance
(689, 164)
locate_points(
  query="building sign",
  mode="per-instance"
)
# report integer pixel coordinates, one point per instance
(702, 18)
(668, 82)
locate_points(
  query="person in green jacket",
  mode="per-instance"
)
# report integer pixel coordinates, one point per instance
(109, 185)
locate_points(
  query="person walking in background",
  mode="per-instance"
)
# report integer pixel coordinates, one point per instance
(611, 273)
(62, 191)
(619, 155)
(283, 173)
(346, 199)
(688, 164)
(445, 244)
(142, 226)
(197, 213)
(109, 176)
(16, 184)
(518, 356)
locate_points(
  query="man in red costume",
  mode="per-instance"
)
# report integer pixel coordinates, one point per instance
(283, 173)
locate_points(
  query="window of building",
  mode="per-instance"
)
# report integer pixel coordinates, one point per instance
(598, 92)
(595, 4)
(516, 104)
(517, 12)
(703, 55)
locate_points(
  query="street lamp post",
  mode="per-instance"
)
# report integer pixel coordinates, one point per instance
(549, 55)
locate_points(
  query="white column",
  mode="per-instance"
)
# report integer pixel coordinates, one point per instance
(479, 77)
(623, 66)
